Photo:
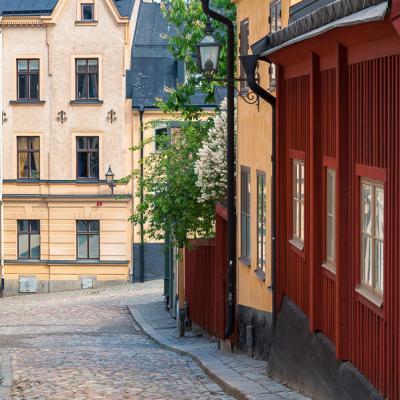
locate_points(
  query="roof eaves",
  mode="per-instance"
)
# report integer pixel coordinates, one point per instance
(327, 17)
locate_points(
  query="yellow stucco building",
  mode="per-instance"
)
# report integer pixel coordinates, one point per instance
(66, 119)
(255, 19)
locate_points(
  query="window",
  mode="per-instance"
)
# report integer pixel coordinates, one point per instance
(87, 157)
(28, 79)
(29, 239)
(28, 155)
(88, 240)
(330, 216)
(87, 79)
(161, 138)
(87, 12)
(298, 201)
(244, 50)
(275, 13)
(261, 220)
(245, 213)
(372, 235)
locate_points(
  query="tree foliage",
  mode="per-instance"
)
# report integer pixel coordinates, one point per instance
(171, 197)
(188, 22)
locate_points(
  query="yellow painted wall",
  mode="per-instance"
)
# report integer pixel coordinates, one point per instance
(254, 151)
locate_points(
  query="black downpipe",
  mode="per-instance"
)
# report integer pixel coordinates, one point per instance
(231, 268)
(250, 64)
(141, 265)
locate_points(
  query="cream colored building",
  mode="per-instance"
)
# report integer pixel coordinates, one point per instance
(66, 119)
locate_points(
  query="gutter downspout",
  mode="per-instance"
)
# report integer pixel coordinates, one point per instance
(231, 269)
(249, 64)
(1, 166)
(141, 266)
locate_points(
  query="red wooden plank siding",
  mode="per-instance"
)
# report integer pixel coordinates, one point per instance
(359, 124)
(205, 281)
(374, 105)
(328, 136)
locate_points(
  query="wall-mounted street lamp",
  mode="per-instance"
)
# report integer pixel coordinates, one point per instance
(110, 179)
(208, 53)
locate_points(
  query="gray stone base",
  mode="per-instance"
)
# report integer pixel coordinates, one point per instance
(11, 287)
(154, 257)
(254, 331)
(307, 362)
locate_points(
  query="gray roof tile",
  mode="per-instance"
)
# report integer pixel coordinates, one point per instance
(46, 7)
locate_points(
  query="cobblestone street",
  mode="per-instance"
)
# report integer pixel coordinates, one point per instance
(85, 345)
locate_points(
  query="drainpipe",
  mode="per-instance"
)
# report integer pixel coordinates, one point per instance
(230, 323)
(141, 266)
(249, 64)
(1, 166)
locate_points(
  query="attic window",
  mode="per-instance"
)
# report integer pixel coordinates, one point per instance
(87, 12)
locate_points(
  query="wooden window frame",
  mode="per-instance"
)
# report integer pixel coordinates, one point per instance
(30, 155)
(88, 74)
(330, 263)
(88, 151)
(244, 51)
(29, 73)
(374, 184)
(29, 233)
(82, 13)
(277, 5)
(298, 198)
(263, 223)
(87, 234)
(245, 212)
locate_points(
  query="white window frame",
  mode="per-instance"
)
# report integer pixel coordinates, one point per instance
(298, 205)
(261, 220)
(373, 236)
(330, 215)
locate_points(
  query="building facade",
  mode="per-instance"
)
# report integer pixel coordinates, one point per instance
(337, 199)
(254, 185)
(66, 120)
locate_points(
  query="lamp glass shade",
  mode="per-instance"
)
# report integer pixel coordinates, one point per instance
(208, 54)
(109, 176)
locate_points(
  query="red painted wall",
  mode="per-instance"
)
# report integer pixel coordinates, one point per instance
(342, 110)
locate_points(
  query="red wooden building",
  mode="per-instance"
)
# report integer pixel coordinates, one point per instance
(338, 198)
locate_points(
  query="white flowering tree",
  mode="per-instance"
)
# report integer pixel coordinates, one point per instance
(211, 165)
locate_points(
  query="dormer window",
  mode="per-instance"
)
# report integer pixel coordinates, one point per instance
(87, 12)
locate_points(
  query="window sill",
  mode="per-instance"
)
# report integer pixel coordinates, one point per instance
(86, 23)
(373, 298)
(86, 102)
(297, 244)
(260, 274)
(27, 102)
(28, 180)
(245, 261)
(329, 267)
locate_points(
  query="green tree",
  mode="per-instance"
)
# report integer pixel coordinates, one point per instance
(188, 22)
(171, 197)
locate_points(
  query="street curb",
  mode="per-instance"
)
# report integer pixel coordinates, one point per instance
(231, 382)
(5, 376)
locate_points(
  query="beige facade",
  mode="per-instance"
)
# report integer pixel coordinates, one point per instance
(57, 198)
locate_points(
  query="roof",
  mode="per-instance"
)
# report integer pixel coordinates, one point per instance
(125, 7)
(27, 7)
(153, 68)
(314, 17)
(46, 7)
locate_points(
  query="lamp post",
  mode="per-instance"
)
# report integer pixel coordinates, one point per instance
(208, 52)
(110, 179)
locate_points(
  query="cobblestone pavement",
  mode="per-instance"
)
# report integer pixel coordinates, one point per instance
(85, 345)
(249, 369)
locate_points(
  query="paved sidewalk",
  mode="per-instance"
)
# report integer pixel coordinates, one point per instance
(239, 375)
